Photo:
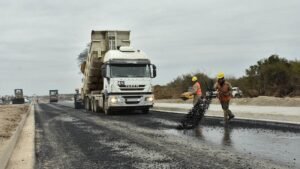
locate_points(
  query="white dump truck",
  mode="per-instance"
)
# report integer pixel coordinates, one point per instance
(116, 76)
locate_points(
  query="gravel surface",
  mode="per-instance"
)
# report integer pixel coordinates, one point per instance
(68, 138)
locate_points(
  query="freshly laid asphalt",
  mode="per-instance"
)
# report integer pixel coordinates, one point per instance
(69, 138)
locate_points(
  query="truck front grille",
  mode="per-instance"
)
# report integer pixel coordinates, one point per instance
(132, 87)
(132, 99)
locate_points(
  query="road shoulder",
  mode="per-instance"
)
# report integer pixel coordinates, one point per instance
(23, 156)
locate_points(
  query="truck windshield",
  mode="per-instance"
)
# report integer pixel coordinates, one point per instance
(130, 70)
(53, 93)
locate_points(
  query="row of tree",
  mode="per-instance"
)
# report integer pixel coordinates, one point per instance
(273, 76)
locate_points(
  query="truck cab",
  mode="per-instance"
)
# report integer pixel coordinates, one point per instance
(124, 82)
(127, 80)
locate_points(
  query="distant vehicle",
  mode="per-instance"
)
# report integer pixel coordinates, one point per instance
(116, 76)
(236, 92)
(213, 93)
(1, 102)
(78, 102)
(26, 100)
(18, 98)
(53, 96)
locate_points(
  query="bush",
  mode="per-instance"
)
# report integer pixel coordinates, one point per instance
(273, 76)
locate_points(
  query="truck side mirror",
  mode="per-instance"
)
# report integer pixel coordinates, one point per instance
(154, 71)
(103, 71)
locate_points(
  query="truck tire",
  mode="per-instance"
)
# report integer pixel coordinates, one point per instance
(92, 105)
(97, 108)
(107, 111)
(87, 104)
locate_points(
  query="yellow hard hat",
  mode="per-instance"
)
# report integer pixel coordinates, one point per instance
(194, 78)
(220, 75)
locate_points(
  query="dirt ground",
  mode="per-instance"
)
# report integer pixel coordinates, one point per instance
(10, 116)
(257, 101)
(23, 154)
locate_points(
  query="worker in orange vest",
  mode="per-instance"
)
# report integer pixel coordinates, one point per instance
(196, 89)
(224, 90)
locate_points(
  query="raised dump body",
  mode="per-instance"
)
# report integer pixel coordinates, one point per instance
(101, 42)
(115, 75)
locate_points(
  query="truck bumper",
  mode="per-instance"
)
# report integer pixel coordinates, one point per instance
(130, 101)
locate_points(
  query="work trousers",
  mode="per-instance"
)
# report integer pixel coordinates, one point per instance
(196, 98)
(227, 112)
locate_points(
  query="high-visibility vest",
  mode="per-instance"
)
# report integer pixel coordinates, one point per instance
(198, 92)
(224, 94)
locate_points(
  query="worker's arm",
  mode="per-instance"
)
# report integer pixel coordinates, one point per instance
(217, 89)
(194, 89)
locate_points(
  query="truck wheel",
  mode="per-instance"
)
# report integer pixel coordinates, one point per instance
(92, 105)
(107, 111)
(95, 107)
(87, 104)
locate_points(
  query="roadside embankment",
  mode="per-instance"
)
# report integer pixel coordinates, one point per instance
(12, 119)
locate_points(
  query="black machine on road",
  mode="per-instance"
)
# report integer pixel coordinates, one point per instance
(196, 114)
(53, 96)
(19, 98)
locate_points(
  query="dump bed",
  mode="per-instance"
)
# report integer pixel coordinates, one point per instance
(101, 42)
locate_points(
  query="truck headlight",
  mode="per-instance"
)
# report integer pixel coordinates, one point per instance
(150, 99)
(113, 100)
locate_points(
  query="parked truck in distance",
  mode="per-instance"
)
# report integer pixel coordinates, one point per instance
(116, 76)
(53, 96)
(18, 98)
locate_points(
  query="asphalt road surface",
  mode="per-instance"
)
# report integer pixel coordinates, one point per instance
(69, 138)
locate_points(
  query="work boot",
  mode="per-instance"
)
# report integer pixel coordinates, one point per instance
(230, 117)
